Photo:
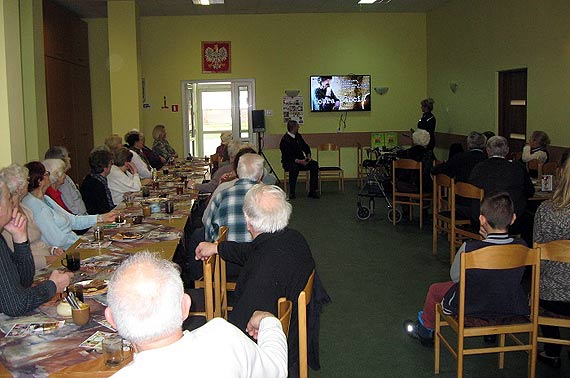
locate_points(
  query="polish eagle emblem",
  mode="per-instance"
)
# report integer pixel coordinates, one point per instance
(216, 56)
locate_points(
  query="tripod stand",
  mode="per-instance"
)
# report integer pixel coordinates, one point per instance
(260, 144)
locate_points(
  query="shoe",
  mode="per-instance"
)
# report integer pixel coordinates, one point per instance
(417, 331)
(490, 339)
(553, 362)
(292, 196)
(315, 195)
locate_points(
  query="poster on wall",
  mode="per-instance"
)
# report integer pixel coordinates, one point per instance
(216, 57)
(293, 109)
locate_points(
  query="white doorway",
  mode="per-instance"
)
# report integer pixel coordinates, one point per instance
(213, 106)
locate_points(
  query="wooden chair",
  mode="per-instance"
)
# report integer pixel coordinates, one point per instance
(330, 173)
(495, 257)
(441, 208)
(213, 283)
(360, 171)
(302, 302)
(208, 310)
(558, 250)
(419, 199)
(461, 228)
(284, 310)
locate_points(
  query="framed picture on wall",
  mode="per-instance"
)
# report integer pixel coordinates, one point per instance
(216, 57)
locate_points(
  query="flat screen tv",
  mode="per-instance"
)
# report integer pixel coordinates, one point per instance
(340, 93)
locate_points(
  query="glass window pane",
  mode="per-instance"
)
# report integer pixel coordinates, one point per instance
(216, 111)
(244, 111)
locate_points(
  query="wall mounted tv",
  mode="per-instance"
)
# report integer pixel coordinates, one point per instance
(340, 93)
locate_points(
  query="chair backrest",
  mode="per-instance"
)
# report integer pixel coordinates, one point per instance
(302, 302)
(284, 310)
(220, 278)
(328, 147)
(558, 250)
(407, 164)
(463, 189)
(550, 168)
(359, 154)
(500, 257)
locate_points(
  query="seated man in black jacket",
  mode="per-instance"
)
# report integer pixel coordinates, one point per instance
(277, 263)
(295, 157)
(498, 174)
(460, 165)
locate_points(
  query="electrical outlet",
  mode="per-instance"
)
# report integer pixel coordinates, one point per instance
(269, 113)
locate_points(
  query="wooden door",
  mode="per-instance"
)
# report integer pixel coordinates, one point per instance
(512, 107)
(59, 102)
(82, 122)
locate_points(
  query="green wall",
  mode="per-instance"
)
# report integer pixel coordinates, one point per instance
(470, 41)
(100, 81)
(281, 52)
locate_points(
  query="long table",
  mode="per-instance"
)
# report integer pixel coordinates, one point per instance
(57, 353)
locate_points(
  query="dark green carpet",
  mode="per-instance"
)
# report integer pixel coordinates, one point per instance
(377, 275)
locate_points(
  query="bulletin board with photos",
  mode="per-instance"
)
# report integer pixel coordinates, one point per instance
(293, 109)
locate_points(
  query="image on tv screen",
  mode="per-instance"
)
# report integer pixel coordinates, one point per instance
(340, 93)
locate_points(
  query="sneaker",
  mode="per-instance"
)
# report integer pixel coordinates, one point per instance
(417, 331)
(553, 362)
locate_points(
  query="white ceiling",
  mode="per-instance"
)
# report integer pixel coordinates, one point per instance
(98, 8)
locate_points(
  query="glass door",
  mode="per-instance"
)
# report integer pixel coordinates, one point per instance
(213, 107)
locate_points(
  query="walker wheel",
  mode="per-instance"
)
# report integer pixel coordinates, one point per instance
(398, 215)
(363, 213)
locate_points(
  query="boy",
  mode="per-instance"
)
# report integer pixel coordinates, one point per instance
(489, 294)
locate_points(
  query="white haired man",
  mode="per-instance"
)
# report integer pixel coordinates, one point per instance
(277, 263)
(147, 306)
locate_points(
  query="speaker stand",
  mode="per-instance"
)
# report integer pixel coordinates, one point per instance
(260, 145)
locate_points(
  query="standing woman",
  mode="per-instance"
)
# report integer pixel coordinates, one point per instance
(161, 146)
(427, 122)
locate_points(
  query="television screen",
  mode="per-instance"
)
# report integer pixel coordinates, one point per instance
(340, 93)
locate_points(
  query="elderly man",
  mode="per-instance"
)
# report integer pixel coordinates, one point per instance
(147, 306)
(17, 295)
(226, 209)
(69, 192)
(498, 174)
(459, 166)
(277, 263)
(295, 157)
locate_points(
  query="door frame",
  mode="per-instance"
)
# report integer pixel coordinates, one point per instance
(189, 113)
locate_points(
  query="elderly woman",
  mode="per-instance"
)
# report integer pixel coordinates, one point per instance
(536, 149)
(409, 181)
(135, 144)
(55, 223)
(94, 187)
(552, 222)
(69, 191)
(16, 178)
(161, 146)
(56, 168)
(124, 176)
(17, 295)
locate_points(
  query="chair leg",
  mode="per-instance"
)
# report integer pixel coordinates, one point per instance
(421, 213)
(437, 342)
(435, 235)
(460, 356)
(501, 354)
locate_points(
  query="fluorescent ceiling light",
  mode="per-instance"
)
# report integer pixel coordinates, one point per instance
(207, 2)
(366, 1)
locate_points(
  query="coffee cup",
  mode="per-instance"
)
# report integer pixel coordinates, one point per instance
(72, 261)
(81, 315)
